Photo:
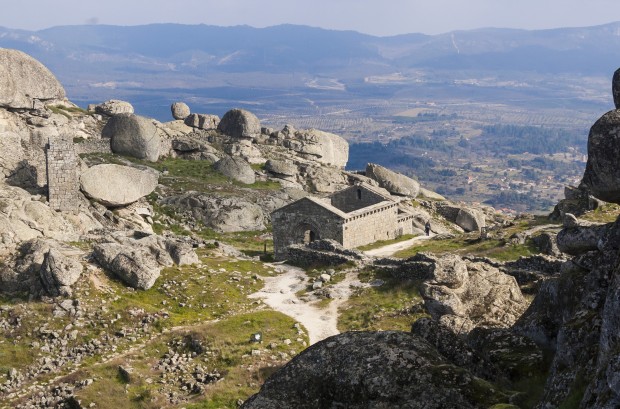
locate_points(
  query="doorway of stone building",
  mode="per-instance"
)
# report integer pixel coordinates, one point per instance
(307, 233)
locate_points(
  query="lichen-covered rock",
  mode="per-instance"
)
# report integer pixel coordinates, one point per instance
(323, 147)
(225, 214)
(578, 237)
(239, 123)
(602, 174)
(23, 218)
(133, 135)
(386, 369)
(180, 110)
(236, 168)
(114, 107)
(24, 81)
(473, 293)
(116, 185)
(133, 266)
(393, 182)
(58, 273)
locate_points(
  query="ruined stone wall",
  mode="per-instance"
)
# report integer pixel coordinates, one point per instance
(62, 176)
(376, 224)
(354, 198)
(290, 224)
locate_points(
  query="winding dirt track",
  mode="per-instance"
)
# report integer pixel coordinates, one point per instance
(280, 291)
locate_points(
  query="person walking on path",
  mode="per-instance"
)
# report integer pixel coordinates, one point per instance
(427, 228)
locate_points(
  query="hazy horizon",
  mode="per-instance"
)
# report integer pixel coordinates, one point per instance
(372, 17)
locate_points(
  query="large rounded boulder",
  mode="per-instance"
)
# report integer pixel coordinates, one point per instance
(116, 185)
(134, 136)
(240, 123)
(393, 182)
(236, 168)
(385, 369)
(180, 110)
(24, 80)
(323, 147)
(602, 174)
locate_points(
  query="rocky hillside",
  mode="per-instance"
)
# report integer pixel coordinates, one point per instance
(132, 254)
(567, 340)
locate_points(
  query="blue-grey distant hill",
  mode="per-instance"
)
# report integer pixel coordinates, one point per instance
(286, 48)
(278, 68)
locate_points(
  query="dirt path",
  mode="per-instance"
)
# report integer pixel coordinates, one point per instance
(390, 249)
(280, 291)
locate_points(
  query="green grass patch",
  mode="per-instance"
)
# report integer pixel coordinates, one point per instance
(394, 305)
(67, 111)
(470, 245)
(225, 347)
(606, 213)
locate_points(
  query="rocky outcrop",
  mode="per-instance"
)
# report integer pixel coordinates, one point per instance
(429, 194)
(202, 121)
(114, 107)
(323, 147)
(138, 261)
(24, 217)
(116, 185)
(463, 294)
(134, 267)
(239, 123)
(225, 214)
(180, 110)
(580, 239)
(393, 182)
(281, 168)
(470, 220)
(577, 201)
(25, 83)
(58, 273)
(615, 88)
(133, 135)
(386, 369)
(236, 168)
(602, 175)
(466, 218)
(42, 267)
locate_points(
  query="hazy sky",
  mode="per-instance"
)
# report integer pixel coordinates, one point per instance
(378, 17)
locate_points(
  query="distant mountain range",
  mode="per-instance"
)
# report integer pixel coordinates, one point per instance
(193, 49)
(287, 47)
(99, 61)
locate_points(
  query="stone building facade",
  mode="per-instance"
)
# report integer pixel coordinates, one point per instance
(62, 176)
(358, 215)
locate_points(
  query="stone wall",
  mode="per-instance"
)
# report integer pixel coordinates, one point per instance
(93, 146)
(379, 223)
(405, 224)
(323, 252)
(291, 223)
(62, 176)
(354, 198)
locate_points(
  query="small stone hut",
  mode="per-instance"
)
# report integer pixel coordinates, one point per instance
(358, 215)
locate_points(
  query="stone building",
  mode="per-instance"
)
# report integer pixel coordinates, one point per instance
(358, 215)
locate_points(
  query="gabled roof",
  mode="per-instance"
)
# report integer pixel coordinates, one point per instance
(384, 194)
(321, 203)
